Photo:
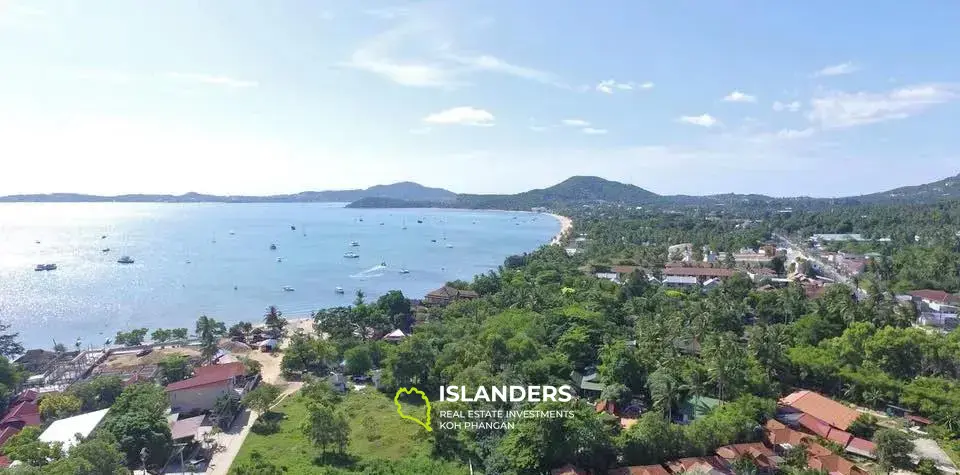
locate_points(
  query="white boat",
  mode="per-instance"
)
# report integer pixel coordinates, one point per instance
(279, 259)
(351, 255)
(273, 247)
(106, 249)
(449, 246)
(338, 290)
(232, 233)
(287, 288)
(125, 260)
(404, 271)
(354, 244)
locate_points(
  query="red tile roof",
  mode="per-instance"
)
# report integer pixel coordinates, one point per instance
(821, 407)
(840, 437)
(933, 295)
(639, 470)
(22, 414)
(862, 447)
(708, 464)
(919, 420)
(209, 374)
(834, 465)
(814, 425)
(761, 454)
(568, 470)
(698, 271)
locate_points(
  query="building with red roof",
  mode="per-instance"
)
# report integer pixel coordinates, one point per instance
(23, 412)
(639, 470)
(763, 456)
(820, 407)
(710, 465)
(208, 383)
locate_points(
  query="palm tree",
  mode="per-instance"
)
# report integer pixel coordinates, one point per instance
(873, 397)
(664, 390)
(273, 319)
(209, 330)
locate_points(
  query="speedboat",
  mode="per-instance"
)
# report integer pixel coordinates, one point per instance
(381, 224)
(125, 260)
(293, 228)
(338, 290)
(38, 242)
(354, 243)
(287, 288)
(279, 259)
(404, 271)
(232, 233)
(273, 247)
(449, 246)
(419, 221)
(433, 240)
(50, 267)
(40, 267)
(351, 255)
(383, 263)
(103, 237)
(106, 249)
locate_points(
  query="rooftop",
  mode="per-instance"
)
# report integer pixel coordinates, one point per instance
(65, 430)
(209, 374)
(822, 408)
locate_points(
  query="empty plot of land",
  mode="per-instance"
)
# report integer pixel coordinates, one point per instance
(131, 360)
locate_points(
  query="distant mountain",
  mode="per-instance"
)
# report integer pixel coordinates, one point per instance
(948, 188)
(407, 191)
(580, 190)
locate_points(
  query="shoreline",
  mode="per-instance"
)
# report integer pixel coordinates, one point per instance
(566, 224)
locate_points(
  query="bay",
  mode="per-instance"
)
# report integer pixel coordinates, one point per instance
(215, 259)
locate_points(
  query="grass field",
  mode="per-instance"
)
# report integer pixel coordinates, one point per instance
(378, 436)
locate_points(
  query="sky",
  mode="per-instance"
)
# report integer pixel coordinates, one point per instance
(817, 98)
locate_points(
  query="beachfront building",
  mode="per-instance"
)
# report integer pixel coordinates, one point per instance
(208, 383)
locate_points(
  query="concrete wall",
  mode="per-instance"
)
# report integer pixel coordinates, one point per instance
(202, 398)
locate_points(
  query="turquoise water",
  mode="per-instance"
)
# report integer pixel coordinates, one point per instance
(188, 262)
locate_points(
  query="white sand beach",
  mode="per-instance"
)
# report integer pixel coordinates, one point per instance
(566, 224)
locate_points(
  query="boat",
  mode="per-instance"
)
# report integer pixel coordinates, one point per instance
(354, 243)
(188, 261)
(273, 247)
(40, 267)
(38, 242)
(106, 249)
(338, 290)
(125, 260)
(381, 224)
(287, 288)
(279, 259)
(232, 233)
(361, 220)
(351, 255)
(449, 246)
(50, 267)
(419, 221)
(293, 228)
(103, 236)
(433, 240)
(404, 271)
(383, 263)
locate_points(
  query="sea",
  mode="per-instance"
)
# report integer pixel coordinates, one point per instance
(215, 259)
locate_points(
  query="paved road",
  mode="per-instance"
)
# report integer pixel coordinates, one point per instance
(825, 268)
(928, 448)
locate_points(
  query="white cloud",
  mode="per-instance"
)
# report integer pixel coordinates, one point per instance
(837, 70)
(417, 52)
(464, 115)
(843, 109)
(786, 106)
(609, 86)
(737, 96)
(795, 134)
(703, 120)
(593, 131)
(575, 122)
(223, 81)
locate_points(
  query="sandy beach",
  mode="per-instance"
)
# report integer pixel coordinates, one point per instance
(566, 224)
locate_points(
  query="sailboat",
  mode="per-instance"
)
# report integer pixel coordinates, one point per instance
(404, 225)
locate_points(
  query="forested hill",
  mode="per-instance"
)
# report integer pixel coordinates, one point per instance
(580, 190)
(407, 191)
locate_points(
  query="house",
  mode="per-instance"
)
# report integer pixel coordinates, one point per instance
(701, 273)
(695, 407)
(208, 383)
(568, 470)
(710, 465)
(783, 438)
(767, 461)
(679, 282)
(23, 412)
(639, 470)
(821, 407)
(834, 465)
(66, 430)
(395, 336)
(186, 430)
(611, 276)
(269, 345)
(936, 308)
(37, 360)
(446, 294)
(587, 382)
(711, 284)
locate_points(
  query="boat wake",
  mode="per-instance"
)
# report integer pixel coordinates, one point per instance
(375, 271)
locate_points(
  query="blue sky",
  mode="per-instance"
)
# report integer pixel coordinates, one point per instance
(817, 98)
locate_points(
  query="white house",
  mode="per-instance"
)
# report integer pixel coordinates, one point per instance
(66, 430)
(208, 383)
